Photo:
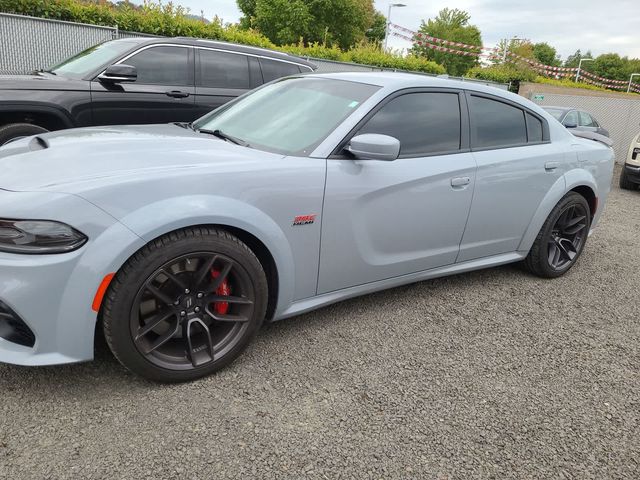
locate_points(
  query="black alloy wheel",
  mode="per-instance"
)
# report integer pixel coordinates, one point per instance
(186, 305)
(561, 239)
(568, 236)
(185, 316)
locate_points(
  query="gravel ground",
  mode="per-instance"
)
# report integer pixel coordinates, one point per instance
(494, 374)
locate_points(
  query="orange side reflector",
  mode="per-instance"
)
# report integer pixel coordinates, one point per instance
(102, 289)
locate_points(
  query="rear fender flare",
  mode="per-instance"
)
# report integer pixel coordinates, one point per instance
(573, 178)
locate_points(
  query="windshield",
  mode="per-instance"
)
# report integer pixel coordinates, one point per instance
(291, 116)
(92, 58)
(556, 112)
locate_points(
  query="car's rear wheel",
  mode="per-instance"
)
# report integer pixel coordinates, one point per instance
(625, 183)
(186, 305)
(16, 131)
(561, 239)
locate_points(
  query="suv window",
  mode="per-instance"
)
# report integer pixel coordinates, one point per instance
(161, 66)
(496, 124)
(272, 69)
(223, 70)
(587, 120)
(425, 123)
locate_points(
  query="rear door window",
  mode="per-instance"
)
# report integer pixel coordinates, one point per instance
(223, 70)
(534, 129)
(496, 124)
(272, 69)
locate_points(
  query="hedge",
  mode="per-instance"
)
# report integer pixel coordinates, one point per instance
(503, 74)
(170, 20)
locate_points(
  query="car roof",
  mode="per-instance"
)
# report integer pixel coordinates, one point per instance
(400, 80)
(233, 47)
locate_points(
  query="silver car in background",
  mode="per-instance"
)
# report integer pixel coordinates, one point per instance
(577, 119)
(180, 240)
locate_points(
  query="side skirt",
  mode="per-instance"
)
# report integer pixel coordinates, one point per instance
(312, 303)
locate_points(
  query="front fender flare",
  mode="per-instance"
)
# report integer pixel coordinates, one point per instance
(159, 218)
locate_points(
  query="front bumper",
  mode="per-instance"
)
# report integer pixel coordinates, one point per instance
(53, 294)
(632, 173)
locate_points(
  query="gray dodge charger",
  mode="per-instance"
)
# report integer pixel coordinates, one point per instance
(180, 240)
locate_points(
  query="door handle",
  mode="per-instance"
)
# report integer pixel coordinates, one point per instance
(460, 181)
(177, 94)
(551, 166)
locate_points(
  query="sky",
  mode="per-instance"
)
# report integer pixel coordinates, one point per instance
(568, 25)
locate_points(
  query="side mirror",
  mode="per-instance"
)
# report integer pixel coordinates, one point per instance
(571, 125)
(119, 73)
(373, 146)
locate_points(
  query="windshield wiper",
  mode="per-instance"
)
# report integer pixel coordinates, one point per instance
(40, 70)
(224, 136)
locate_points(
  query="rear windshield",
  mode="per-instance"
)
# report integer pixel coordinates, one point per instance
(556, 112)
(93, 58)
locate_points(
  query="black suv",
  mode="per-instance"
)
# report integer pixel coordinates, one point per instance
(137, 80)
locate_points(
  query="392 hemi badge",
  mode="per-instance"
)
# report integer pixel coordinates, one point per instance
(304, 219)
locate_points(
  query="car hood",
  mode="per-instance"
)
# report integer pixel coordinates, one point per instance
(61, 161)
(41, 81)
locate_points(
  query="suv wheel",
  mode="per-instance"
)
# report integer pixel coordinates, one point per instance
(625, 183)
(15, 131)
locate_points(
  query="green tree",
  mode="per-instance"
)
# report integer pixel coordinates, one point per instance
(546, 54)
(331, 22)
(611, 66)
(378, 29)
(283, 21)
(573, 60)
(450, 24)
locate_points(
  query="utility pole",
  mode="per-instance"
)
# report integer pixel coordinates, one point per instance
(506, 48)
(631, 78)
(386, 32)
(580, 65)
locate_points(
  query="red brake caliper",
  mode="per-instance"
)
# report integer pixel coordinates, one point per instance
(221, 307)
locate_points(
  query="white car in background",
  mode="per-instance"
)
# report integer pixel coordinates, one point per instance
(630, 175)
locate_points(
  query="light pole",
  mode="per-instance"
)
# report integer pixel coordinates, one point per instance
(506, 48)
(580, 65)
(631, 78)
(386, 32)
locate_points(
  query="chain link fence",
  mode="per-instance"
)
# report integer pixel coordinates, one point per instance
(29, 44)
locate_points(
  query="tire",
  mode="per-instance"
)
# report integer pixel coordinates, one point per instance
(550, 240)
(13, 131)
(625, 183)
(162, 280)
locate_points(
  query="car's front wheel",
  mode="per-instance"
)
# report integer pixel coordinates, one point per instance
(16, 131)
(561, 239)
(185, 305)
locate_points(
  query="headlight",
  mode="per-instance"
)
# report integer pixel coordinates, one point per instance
(38, 236)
